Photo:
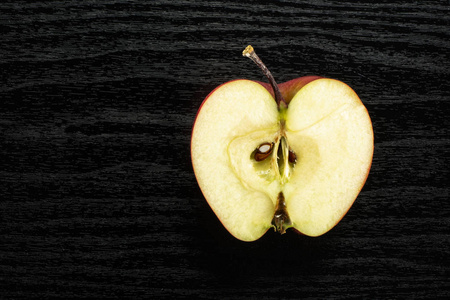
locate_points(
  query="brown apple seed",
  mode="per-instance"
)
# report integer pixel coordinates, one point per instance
(263, 151)
(292, 157)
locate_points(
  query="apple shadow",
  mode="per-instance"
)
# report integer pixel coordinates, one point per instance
(233, 262)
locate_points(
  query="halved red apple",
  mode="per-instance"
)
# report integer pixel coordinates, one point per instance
(294, 155)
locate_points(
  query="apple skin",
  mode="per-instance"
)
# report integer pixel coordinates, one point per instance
(288, 90)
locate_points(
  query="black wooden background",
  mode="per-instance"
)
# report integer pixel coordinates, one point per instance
(97, 194)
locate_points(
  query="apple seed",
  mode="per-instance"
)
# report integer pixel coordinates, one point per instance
(263, 151)
(292, 157)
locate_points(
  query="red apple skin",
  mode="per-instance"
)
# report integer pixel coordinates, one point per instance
(288, 90)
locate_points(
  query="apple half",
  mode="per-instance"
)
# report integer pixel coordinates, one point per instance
(294, 155)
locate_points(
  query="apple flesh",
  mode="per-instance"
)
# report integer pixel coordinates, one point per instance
(299, 162)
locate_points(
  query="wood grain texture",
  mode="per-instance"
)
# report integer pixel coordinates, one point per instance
(97, 193)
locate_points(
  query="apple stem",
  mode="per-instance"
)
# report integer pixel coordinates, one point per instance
(250, 53)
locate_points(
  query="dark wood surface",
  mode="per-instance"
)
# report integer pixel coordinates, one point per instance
(97, 193)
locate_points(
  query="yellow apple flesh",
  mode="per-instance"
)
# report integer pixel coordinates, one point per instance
(325, 125)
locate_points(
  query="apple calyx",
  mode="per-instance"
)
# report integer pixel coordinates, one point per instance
(281, 220)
